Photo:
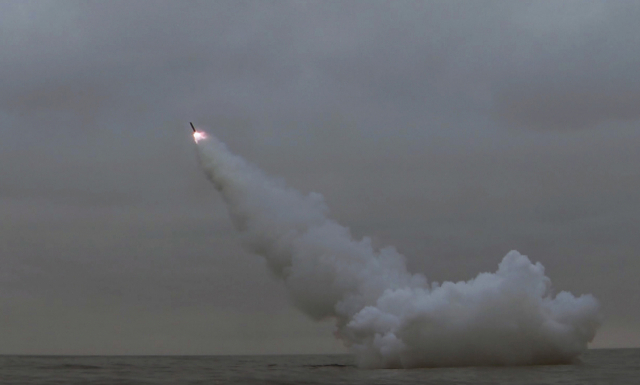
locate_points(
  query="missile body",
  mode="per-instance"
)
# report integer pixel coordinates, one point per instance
(193, 128)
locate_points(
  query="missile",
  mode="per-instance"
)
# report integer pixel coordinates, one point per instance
(197, 135)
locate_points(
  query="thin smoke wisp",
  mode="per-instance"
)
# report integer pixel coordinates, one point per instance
(387, 316)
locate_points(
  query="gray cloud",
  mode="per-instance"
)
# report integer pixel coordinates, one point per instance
(455, 131)
(574, 71)
(579, 109)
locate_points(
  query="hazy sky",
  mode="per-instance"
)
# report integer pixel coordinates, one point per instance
(455, 131)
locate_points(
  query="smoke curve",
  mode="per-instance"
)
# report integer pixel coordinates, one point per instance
(386, 316)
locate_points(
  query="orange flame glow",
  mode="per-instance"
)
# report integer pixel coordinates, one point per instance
(198, 136)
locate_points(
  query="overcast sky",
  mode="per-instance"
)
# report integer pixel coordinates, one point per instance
(455, 131)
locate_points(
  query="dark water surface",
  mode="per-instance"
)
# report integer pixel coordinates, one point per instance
(608, 366)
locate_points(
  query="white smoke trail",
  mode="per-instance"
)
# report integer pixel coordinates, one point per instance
(388, 317)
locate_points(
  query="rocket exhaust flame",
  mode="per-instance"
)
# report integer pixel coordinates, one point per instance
(386, 316)
(198, 136)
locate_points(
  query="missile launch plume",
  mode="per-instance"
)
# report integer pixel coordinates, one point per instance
(387, 316)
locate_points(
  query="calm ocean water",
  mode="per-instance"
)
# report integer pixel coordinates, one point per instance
(610, 366)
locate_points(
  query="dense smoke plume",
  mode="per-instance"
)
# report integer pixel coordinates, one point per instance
(388, 317)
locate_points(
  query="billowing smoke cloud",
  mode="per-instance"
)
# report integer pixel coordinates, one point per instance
(388, 317)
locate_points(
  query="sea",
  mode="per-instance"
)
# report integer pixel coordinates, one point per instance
(601, 366)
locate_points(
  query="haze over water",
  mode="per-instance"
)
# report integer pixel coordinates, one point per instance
(597, 367)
